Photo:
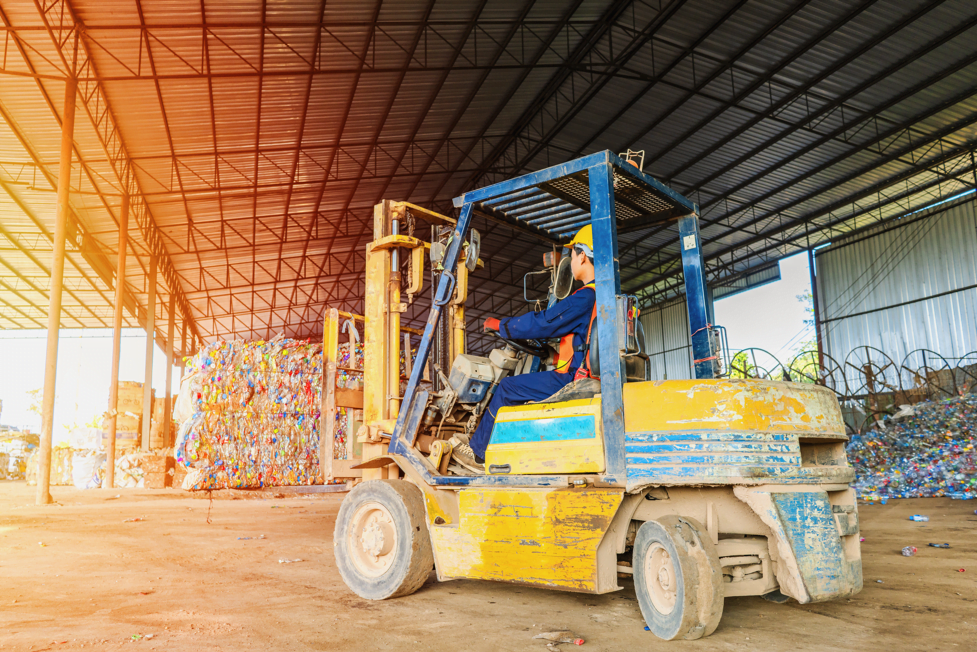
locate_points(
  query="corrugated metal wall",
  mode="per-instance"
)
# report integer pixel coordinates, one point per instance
(667, 340)
(907, 288)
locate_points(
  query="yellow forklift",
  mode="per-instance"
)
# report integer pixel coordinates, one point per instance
(701, 489)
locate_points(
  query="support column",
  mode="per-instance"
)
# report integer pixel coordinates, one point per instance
(147, 388)
(54, 303)
(696, 296)
(817, 313)
(120, 281)
(168, 401)
(183, 351)
(607, 276)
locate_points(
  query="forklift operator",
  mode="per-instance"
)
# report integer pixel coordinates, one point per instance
(570, 320)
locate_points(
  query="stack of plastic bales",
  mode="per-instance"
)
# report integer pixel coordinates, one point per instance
(348, 376)
(255, 415)
(927, 450)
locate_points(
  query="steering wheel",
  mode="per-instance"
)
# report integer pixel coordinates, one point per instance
(532, 347)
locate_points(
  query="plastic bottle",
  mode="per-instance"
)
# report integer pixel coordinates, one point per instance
(917, 517)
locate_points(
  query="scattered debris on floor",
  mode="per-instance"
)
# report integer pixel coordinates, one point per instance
(928, 450)
(563, 636)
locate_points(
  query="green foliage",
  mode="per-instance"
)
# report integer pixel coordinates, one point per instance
(808, 300)
(741, 367)
(37, 398)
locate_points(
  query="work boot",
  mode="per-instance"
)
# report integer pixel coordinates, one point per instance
(464, 455)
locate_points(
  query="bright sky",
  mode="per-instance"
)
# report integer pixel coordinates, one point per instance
(84, 368)
(768, 317)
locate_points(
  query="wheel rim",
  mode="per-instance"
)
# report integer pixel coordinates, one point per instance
(372, 539)
(661, 578)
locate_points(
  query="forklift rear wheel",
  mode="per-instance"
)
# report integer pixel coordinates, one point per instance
(383, 549)
(677, 578)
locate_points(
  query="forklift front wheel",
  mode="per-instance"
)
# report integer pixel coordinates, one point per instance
(383, 549)
(678, 578)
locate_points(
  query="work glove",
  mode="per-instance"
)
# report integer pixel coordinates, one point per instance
(491, 324)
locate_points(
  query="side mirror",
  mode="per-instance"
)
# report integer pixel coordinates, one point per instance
(562, 279)
(474, 248)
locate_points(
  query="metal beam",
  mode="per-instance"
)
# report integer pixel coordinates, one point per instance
(168, 395)
(757, 84)
(147, 388)
(828, 106)
(43, 496)
(60, 19)
(120, 283)
(827, 211)
(914, 145)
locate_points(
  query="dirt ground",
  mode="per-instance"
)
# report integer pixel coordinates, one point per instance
(145, 570)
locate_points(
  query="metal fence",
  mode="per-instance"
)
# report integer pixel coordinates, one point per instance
(868, 382)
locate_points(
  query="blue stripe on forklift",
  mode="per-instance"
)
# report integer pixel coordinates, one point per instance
(708, 435)
(710, 447)
(534, 430)
(717, 459)
(659, 474)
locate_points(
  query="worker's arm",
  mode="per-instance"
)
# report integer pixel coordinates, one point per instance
(555, 321)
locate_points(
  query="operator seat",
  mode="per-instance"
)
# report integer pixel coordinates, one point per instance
(634, 367)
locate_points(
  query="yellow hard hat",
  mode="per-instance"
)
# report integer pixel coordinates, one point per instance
(585, 239)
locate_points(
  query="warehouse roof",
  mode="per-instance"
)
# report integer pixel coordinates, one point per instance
(255, 137)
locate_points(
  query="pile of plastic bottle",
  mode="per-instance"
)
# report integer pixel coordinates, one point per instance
(931, 452)
(256, 415)
(347, 360)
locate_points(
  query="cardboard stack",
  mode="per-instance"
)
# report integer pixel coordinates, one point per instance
(128, 424)
(156, 431)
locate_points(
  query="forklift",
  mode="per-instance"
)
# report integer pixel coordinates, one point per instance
(698, 489)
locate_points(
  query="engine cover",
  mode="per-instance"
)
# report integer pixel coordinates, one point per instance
(470, 378)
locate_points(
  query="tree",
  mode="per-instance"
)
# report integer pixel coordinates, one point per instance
(803, 365)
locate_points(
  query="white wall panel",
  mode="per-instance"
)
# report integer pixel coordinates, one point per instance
(911, 287)
(667, 339)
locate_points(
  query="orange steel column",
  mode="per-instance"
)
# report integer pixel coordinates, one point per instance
(120, 280)
(183, 352)
(54, 304)
(168, 401)
(147, 388)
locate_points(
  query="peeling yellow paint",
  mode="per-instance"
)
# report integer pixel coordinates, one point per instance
(434, 510)
(544, 537)
(752, 405)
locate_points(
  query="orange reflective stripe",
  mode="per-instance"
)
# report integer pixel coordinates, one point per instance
(584, 370)
(565, 355)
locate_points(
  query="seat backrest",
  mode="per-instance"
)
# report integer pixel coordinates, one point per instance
(633, 366)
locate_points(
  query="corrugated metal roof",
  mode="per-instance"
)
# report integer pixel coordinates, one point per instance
(260, 134)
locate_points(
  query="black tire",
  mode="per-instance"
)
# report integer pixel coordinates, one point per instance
(684, 597)
(392, 555)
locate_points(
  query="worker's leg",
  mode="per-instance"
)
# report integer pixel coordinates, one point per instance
(516, 390)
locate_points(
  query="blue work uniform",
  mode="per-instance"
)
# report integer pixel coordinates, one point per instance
(572, 315)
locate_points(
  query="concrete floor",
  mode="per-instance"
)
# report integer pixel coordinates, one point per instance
(83, 574)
